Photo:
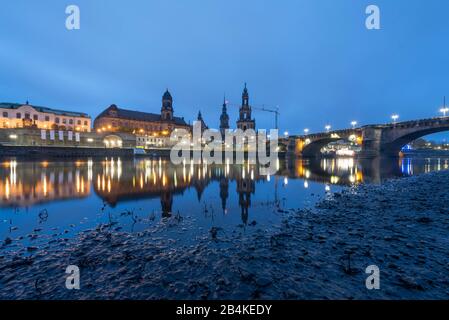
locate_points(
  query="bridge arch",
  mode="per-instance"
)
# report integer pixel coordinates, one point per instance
(313, 148)
(405, 136)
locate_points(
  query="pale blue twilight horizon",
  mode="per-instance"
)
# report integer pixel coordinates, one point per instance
(315, 59)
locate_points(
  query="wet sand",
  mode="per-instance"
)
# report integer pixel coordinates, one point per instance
(321, 253)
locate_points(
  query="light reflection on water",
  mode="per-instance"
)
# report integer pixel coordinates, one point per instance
(136, 194)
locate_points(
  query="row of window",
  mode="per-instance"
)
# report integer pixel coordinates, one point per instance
(6, 125)
(146, 127)
(149, 140)
(46, 118)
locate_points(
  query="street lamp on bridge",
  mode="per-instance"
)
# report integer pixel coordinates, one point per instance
(444, 109)
(395, 118)
(353, 124)
(327, 127)
(306, 131)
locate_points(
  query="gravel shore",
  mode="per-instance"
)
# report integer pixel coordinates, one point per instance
(401, 226)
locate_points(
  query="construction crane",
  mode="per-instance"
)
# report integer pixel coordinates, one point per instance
(275, 111)
(265, 109)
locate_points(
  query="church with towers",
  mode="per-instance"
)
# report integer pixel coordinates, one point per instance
(244, 121)
(117, 119)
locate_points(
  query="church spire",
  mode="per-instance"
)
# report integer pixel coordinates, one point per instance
(245, 121)
(245, 96)
(224, 118)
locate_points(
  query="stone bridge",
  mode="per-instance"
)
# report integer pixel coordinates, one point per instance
(374, 140)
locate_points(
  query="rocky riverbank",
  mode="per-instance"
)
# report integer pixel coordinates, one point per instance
(401, 226)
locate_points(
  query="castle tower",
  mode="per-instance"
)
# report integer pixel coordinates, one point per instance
(244, 121)
(224, 119)
(167, 106)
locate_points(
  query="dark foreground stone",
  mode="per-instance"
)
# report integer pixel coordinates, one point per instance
(401, 226)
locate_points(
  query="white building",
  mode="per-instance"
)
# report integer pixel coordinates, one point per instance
(150, 141)
(14, 115)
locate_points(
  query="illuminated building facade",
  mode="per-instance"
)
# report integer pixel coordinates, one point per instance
(144, 124)
(15, 115)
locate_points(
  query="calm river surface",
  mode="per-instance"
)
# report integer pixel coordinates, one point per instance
(61, 198)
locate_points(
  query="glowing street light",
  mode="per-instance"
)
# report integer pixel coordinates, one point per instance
(327, 127)
(353, 124)
(395, 118)
(286, 133)
(306, 131)
(444, 111)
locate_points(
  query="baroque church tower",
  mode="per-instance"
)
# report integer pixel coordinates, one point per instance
(244, 121)
(224, 119)
(167, 106)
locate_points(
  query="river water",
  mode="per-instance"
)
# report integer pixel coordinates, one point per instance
(47, 199)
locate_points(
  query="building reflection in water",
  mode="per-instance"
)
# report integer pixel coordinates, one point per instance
(26, 183)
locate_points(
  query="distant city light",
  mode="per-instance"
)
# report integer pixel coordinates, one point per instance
(353, 124)
(444, 111)
(327, 127)
(395, 117)
(13, 136)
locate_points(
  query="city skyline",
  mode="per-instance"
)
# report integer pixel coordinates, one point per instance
(314, 70)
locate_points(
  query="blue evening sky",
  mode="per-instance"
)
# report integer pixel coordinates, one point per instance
(313, 58)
